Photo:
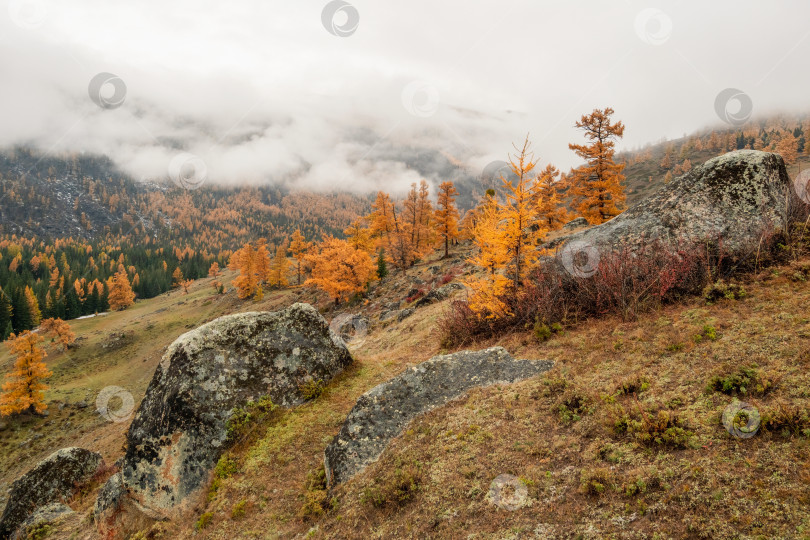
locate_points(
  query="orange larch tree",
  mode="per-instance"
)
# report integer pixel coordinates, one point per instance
(298, 249)
(382, 221)
(340, 270)
(598, 194)
(177, 277)
(359, 235)
(33, 306)
(24, 388)
(120, 291)
(550, 209)
(262, 262)
(279, 267)
(59, 330)
(247, 282)
(446, 216)
(522, 231)
(185, 284)
(213, 271)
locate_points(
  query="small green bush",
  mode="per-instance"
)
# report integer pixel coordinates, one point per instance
(573, 407)
(395, 490)
(633, 385)
(595, 482)
(204, 521)
(39, 531)
(243, 416)
(316, 495)
(787, 420)
(312, 388)
(542, 332)
(661, 428)
(746, 380)
(238, 510)
(722, 290)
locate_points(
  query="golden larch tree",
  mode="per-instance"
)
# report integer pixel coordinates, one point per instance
(788, 148)
(521, 230)
(298, 249)
(279, 267)
(59, 331)
(177, 277)
(598, 193)
(213, 271)
(262, 262)
(24, 389)
(487, 292)
(359, 235)
(33, 306)
(247, 282)
(446, 215)
(381, 221)
(551, 211)
(121, 295)
(340, 270)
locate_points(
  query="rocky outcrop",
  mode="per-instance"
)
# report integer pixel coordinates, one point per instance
(54, 479)
(180, 428)
(404, 314)
(576, 223)
(732, 198)
(438, 294)
(383, 412)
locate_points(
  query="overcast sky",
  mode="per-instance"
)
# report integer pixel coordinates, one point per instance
(265, 90)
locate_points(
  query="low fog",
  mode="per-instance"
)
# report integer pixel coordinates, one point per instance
(352, 96)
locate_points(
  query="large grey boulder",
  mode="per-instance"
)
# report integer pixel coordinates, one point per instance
(383, 412)
(180, 429)
(732, 199)
(54, 479)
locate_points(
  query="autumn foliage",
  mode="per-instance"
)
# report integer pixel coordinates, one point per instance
(596, 187)
(121, 295)
(507, 237)
(340, 269)
(58, 330)
(447, 215)
(24, 388)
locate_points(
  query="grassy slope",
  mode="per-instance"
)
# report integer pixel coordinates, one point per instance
(716, 487)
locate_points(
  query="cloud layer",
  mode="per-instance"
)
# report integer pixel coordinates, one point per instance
(263, 92)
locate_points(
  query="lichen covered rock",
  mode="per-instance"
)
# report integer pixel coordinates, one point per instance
(54, 479)
(180, 428)
(383, 412)
(731, 199)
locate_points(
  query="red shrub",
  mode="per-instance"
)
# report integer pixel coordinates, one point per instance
(628, 281)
